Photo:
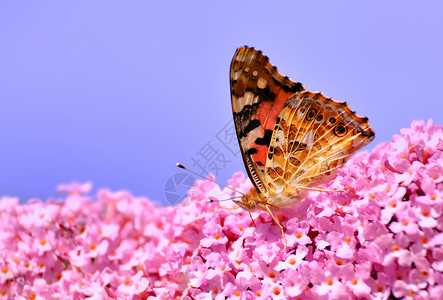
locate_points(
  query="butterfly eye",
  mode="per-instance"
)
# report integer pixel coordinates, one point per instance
(310, 115)
(340, 130)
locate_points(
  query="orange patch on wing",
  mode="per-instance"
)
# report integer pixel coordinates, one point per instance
(260, 156)
(267, 115)
(262, 112)
(268, 112)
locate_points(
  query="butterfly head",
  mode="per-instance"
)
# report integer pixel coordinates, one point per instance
(247, 203)
(251, 200)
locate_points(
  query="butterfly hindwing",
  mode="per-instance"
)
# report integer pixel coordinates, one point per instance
(313, 136)
(258, 93)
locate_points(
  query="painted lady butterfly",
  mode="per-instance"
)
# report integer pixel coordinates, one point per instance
(291, 139)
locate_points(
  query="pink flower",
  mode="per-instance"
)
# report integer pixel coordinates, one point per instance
(75, 188)
(94, 245)
(427, 216)
(327, 281)
(407, 221)
(294, 283)
(215, 236)
(343, 242)
(437, 255)
(247, 282)
(408, 291)
(395, 249)
(5, 272)
(297, 232)
(381, 286)
(137, 284)
(355, 278)
(42, 240)
(381, 237)
(293, 261)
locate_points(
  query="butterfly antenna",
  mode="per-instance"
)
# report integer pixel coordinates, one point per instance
(212, 199)
(184, 168)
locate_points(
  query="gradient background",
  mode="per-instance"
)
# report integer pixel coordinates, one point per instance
(116, 92)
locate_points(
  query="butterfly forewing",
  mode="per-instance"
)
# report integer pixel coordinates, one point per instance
(258, 94)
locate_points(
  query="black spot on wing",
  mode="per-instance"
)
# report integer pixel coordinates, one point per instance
(251, 151)
(300, 145)
(245, 114)
(251, 126)
(266, 139)
(243, 120)
(297, 146)
(294, 89)
(287, 84)
(364, 133)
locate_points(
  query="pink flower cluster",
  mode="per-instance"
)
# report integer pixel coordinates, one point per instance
(381, 238)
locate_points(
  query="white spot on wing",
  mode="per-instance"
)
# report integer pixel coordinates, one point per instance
(293, 102)
(240, 102)
(236, 75)
(279, 139)
(261, 83)
(308, 139)
(252, 136)
(250, 98)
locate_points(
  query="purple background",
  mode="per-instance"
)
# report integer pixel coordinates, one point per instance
(117, 92)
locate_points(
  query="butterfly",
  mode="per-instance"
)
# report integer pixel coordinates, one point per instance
(291, 139)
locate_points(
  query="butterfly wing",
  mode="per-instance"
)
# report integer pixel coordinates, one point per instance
(313, 136)
(258, 93)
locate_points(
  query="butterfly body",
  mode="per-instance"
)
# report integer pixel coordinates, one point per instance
(291, 139)
(255, 200)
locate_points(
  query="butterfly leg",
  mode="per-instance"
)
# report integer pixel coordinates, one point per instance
(279, 225)
(318, 190)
